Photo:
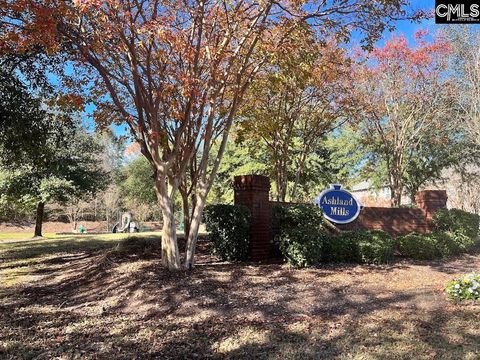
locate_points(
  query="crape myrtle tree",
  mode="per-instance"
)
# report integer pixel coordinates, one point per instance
(176, 71)
(404, 100)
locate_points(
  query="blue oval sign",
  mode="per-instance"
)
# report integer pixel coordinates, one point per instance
(338, 205)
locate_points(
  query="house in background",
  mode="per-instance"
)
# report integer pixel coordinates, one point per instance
(370, 195)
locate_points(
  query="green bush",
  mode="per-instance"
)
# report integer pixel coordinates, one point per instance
(303, 240)
(375, 247)
(341, 248)
(435, 245)
(453, 243)
(297, 215)
(419, 246)
(300, 233)
(301, 247)
(455, 220)
(229, 227)
(456, 232)
(365, 247)
(464, 288)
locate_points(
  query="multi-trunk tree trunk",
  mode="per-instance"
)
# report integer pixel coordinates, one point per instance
(170, 252)
(396, 195)
(186, 212)
(395, 168)
(281, 178)
(194, 228)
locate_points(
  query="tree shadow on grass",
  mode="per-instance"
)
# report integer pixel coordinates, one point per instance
(95, 305)
(464, 263)
(437, 334)
(29, 249)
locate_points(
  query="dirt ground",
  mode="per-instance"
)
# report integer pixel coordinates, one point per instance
(104, 298)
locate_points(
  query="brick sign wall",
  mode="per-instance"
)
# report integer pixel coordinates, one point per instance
(395, 221)
(401, 221)
(252, 191)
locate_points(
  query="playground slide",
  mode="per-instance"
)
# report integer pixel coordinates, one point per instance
(126, 219)
(127, 225)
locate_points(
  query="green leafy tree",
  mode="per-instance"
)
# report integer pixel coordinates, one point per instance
(440, 149)
(239, 159)
(112, 159)
(138, 188)
(347, 157)
(44, 155)
(291, 107)
(444, 148)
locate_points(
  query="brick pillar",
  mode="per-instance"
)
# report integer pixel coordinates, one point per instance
(430, 201)
(252, 191)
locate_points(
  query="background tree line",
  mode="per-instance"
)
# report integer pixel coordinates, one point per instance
(403, 116)
(281, 77)
(309, 119)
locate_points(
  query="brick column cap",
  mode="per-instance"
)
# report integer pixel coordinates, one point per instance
(431, 196)
(430, 201)
(251, 183)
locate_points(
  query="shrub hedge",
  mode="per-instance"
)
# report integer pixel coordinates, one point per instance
(300, 233)
(303, 240)
(456, 220)
(419, 246)
(456, 232)
(453, 242)
(306, 216)
(364, 247)
(301, 248)
(375, 247)
(341, 248)
(229, 227)
(435, 245)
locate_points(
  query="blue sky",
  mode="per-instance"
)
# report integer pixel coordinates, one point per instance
(407, 28)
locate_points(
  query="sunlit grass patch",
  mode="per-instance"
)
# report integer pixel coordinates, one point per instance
(13, 276)
(246, 336)
(66, 243)
(22, 259)
(22, 235)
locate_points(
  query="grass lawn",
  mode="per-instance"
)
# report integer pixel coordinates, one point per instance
(108, 297)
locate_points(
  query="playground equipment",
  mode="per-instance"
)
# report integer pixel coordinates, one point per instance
(126, 225)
